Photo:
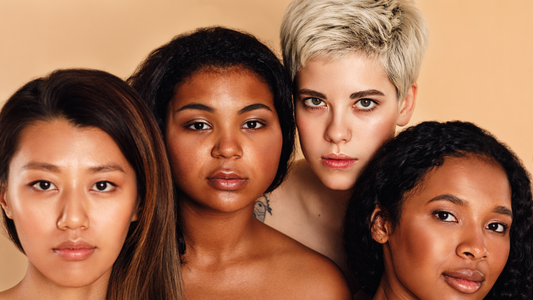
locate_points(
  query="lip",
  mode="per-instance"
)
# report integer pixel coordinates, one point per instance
(338, 161)
(74, 250)
(465, 281)
(226, 180)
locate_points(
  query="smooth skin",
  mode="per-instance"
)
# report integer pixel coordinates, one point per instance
(224, 140)
(72, 196)
(452, 241)
(345, 109)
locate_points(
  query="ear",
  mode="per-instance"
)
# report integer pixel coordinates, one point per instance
(380, 226)
(407, 105)
(3, 201)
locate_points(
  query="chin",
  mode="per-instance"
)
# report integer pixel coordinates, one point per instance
(338, 184)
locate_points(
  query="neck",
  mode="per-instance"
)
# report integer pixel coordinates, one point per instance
(215, 237)
(35, 285)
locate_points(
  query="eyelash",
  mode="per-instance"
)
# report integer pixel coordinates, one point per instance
(373, 104)
(437, 213)
(259, 125)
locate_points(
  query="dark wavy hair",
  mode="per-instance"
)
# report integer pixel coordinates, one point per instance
(147, 266)
(400, 165)
(167, 67)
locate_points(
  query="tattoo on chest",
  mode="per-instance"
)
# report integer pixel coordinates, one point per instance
(261, 207)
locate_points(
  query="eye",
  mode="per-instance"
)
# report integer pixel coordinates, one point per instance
(365, 104)
(253, 125)
(497, 227)
(445, 216)
(102, 186)
(314, 102)
(199, 126)
(44, 185)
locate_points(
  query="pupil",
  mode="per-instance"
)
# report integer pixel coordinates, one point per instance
(252, 124)
(198, 126)
(101, 185)
(44, 185)
(365, 102)
(315, 101)
(443, 215)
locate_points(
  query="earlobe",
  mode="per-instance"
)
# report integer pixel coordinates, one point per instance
(407, 105)
(379, 226)
(3, 202)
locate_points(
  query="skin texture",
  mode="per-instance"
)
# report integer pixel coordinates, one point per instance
(345, 109)
(68, 184)
(457, 222)
(224, 140)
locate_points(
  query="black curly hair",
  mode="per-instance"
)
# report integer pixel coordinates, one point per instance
(401, 164)
(159, 76)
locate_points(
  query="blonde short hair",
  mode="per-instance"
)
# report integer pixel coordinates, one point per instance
(393, 32)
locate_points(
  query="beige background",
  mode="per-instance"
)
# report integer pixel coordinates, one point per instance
(479, 65)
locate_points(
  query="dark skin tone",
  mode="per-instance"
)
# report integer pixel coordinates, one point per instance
(224, 141)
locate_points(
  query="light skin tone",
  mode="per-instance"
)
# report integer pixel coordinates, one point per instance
(345, 109)
(224, 140)
(72, 196)
(452, 241)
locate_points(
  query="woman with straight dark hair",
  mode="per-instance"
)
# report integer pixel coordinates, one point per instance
(442, 211)
(86, 191)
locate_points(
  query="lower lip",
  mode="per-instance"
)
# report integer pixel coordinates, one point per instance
(463, 285)
(227, 184)
(74, 254)
(338, 163)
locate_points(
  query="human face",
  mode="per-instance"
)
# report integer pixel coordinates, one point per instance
(224, 138)
(345, 109)
(452, 241)
(72, 195)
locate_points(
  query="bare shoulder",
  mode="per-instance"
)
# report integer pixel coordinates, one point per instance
(309, 274)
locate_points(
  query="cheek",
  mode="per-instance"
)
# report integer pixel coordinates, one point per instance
(499, 254)
(310, 130)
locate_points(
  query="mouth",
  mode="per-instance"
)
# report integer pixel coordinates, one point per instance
(79, 250)
(465, 281)
(226, 181)
(338, 161)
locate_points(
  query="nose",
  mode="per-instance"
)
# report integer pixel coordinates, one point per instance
(338, 129)
(73, 214)
(227, 145)
(472, 245)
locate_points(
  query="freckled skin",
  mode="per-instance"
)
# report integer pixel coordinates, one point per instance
(435, 238)
(68, 206)
(347, 107)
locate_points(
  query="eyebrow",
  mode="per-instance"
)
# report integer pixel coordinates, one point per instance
(502, 210)
(366, 93)
(253, 107)
(196, 106)
(355, 95)
(312, 93)
(447, 197)
(41, 166)
(107, 168)
(55, 169)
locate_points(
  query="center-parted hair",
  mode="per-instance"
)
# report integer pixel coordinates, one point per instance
(398, 168)
(167, 67)
(393, 32)
(148, 265)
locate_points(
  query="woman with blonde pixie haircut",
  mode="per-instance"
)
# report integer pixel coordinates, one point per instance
(353, 66)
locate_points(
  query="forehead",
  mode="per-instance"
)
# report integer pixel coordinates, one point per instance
(478, 180)
(349, 71)
(221, 87)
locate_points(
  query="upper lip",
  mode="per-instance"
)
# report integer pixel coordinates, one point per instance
(338, 156)
(225, 174)
(467, 274)
(74, 245)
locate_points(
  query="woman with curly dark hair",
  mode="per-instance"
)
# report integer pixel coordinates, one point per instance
(442, 211)
(223, 101)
